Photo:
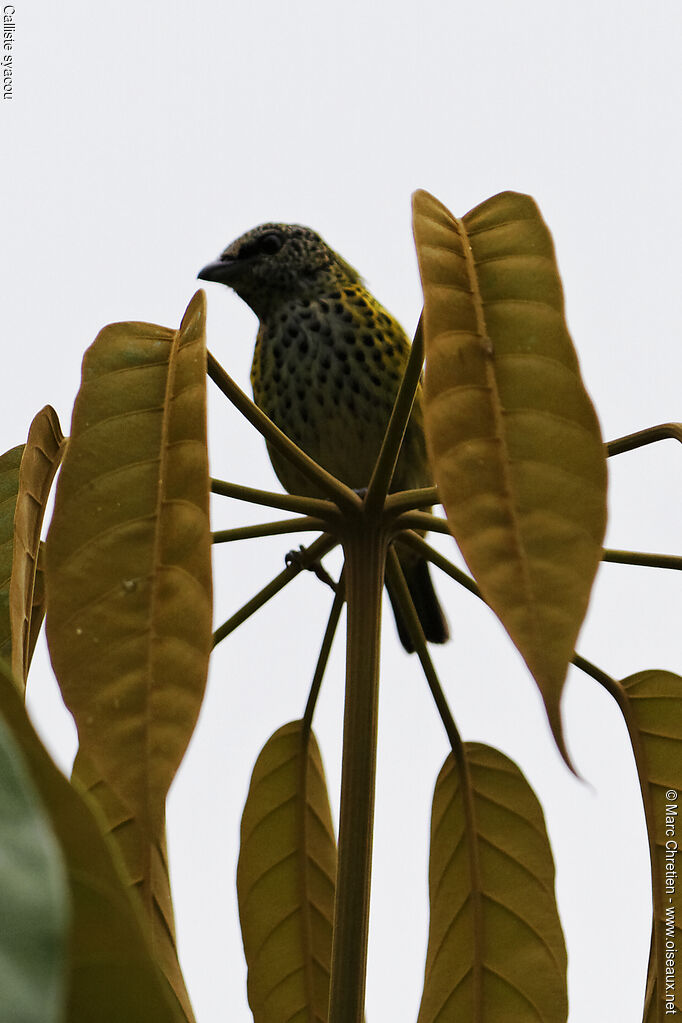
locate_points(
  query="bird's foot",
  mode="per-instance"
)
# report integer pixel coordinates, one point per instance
(296, 558)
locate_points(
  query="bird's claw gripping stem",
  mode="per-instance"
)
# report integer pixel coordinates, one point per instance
(295, 558)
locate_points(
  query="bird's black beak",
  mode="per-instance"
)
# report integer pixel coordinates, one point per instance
(222, 270)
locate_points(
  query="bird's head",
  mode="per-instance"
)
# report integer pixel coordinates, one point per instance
(279, 262)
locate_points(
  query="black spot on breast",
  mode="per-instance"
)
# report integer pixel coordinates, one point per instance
(324, 306)
(377, 356)
(300, 394)
(342, 354)
(314, 325)
(359, 355)
(303, 345)
(293, 330)
(355, 386)
(375, 379)
(367, 338)
(349, 337)
(335, 294)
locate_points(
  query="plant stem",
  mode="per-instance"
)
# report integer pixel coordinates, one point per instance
(288, 502)
(414, 628)
(620, 694)
(413, 540)
(420, 520)
(322, 479)
(594, 672)
(402, 594)
(365, 551)
(640, 558)
(317, 550)
(408, 500)
(306, 523)
(329, 633)
(393, 438)
(666, 431)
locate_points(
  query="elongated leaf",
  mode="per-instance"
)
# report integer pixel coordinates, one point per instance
(655, 702)
(34, 897)
(128, 578)
(496, 951)
(37, 612)
(10, 463)
(146, 866)
(40, 460)
(286, 879)
(514, 440)
(111, 966)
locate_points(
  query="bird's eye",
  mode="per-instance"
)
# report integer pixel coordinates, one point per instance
(271, 243)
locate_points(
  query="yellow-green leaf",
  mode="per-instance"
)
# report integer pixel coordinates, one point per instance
(654, 718)
(496, 950)
(513, 438)
(40, 460)
(128, 579)
(37, 610)
(286, 880)
(34, 935)
(146, 868)
(10, 463)
(110, 962)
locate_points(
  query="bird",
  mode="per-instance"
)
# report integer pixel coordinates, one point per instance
(326, 369)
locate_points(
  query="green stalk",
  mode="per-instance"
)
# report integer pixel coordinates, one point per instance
(420, 520)
(301, 525)
(395, 574)
(393, 438)
(288, 502)
(305, 559)
(322, 479)
(365, 553)
(320, 668)
(407, 500)
(616, 690)
(642, 558)
(413, 540)
(666, 431)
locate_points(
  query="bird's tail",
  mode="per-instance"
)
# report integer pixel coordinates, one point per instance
(430, 613)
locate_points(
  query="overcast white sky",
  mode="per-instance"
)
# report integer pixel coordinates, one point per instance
(139, 141)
